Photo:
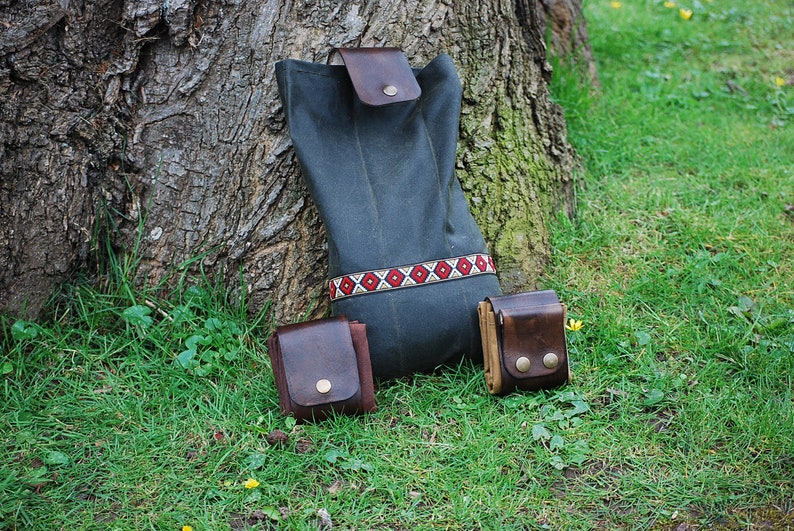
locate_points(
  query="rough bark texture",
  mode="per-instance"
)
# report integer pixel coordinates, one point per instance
(564, 23)
(164, 121)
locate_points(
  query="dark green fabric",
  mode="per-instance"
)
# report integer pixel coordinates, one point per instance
(383, 180)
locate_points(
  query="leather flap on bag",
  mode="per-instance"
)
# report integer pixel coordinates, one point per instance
(380, 75)
(533, 340)
(531, 333)
(319, 362)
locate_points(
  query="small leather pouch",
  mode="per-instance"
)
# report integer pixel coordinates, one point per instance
(523, 339)
(380, 75)
(322, 367)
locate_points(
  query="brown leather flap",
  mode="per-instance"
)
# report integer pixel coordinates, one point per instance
(530, 325)
(529, 298)
(319, 361)
(536, 334)
(380, 75)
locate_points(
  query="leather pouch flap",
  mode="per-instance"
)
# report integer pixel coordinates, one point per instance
(521, 300)
(319, 362)
(380, 75)
(532, 339)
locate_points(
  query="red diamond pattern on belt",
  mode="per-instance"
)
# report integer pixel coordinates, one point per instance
(410, 275)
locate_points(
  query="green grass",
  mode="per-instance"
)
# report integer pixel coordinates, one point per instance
(681, 410)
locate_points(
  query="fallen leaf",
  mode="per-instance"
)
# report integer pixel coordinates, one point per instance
(276, 437)
(336, 486)
(325, 523)
(304, 446)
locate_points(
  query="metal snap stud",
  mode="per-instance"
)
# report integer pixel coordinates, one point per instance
(323, 386)
(523, 364)
(390, 90)
(550, 360)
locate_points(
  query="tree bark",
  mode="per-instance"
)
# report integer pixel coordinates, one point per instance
(161, 124)
(566, 29)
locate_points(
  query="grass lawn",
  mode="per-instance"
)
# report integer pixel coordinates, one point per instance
(681, 412)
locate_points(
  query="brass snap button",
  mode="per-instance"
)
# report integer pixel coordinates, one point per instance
(390, 90)
(323, 386)
(550, 360)
(523, 364)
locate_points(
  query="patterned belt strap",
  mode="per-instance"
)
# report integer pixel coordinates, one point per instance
(410, 275)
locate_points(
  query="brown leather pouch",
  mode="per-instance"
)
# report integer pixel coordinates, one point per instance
(380, 75)
(523, 338)
(322, 367)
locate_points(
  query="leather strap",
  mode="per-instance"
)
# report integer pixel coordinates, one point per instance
(524, 342)
(381, 76)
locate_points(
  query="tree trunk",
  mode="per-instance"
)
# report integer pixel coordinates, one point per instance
(565, 25)
(163, 122)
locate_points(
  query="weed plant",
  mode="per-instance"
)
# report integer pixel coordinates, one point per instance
(155, 409)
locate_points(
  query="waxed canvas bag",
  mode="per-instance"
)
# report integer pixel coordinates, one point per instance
(376, 141)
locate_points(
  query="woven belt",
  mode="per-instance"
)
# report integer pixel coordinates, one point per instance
(410, 275)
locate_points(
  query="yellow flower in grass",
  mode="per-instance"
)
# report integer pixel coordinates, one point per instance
(574, 325)
(187, 528)
(616, 5)
(686, 14)
(251, 483)
(779, 81)
(670, 5)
